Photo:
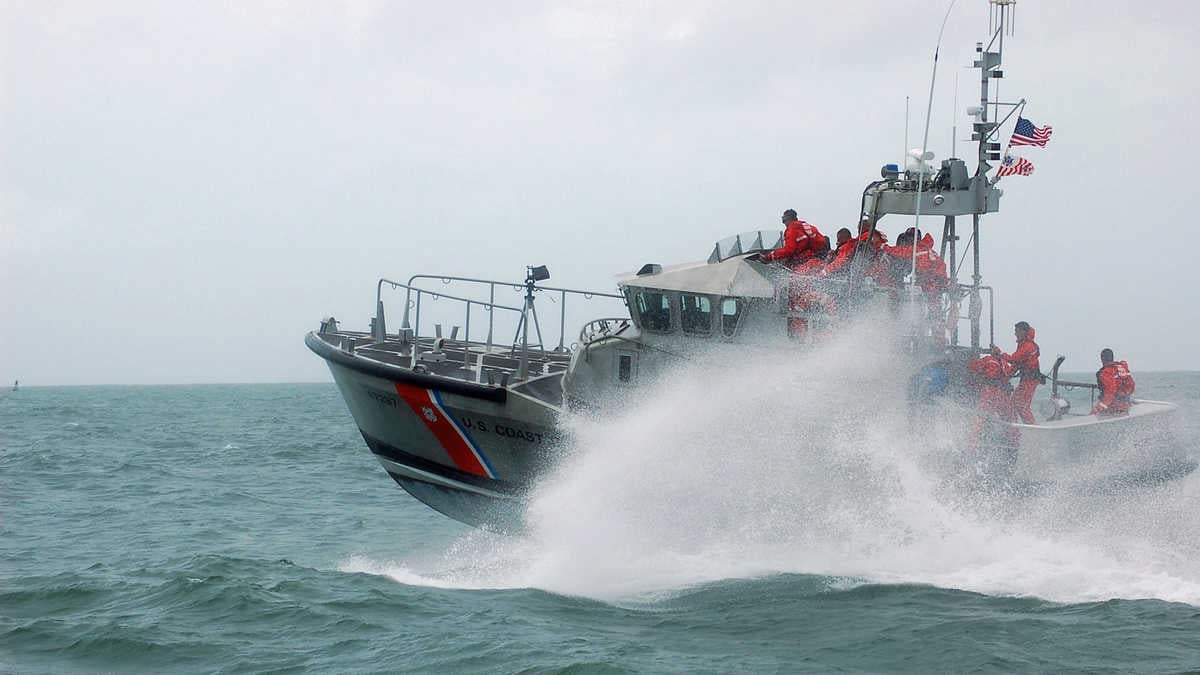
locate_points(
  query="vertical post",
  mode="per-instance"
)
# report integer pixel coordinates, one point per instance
(407, 305)
(523, 363)
(950, 255)
(417, 326)
(562, 321)
(379, 332)
(491, 311)
(984, 130)
(975, 277)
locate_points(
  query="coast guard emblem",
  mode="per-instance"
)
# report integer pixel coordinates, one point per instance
(426, 405)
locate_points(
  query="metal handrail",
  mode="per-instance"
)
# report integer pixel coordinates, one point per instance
(602, 327)
(415, 325)
(520, 287)
(991, 309)
(414, 295)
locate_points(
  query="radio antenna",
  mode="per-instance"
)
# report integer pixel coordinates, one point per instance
(954, 121)
(925, 141)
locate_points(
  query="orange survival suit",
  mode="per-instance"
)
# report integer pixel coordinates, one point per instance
(801, 241)
(931, 269)
(841, 258)
(1116, 387)
(1025, 364)
(992, 375)
(930, 276)
(877, 266)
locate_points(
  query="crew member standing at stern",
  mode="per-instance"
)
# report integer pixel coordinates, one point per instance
(1116, 386)
(1024, 361)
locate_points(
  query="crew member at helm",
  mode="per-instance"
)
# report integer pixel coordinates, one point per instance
(1024, 361)
(1116, 386)
(801, 242)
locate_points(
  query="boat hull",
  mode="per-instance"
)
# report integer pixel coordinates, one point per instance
(1085, 449)
(469, 452)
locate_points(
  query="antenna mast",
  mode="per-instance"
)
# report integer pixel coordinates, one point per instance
(955, 190)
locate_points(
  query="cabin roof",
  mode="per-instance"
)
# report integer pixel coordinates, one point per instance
(734, 276)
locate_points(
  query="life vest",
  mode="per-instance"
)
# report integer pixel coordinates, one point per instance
(992, 371)
(1125, 383)
(930, 268)
(801, 240)
(1024, 358)
(1116, 384)
(992, 376)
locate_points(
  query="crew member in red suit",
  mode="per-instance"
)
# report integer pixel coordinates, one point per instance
(1024, 361)
(930, 274)
(842, 256)
(801, 242)
(864, 227)
(992, 375)
(879, 265)
(869, 245)
(1116, 386)
(803, 297)
(931, 269)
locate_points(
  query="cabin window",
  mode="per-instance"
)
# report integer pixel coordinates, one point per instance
(624, 367)
(695, 316)
(731, 312)
(654, 311)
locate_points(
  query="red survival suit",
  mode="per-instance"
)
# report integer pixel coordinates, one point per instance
(841, 258)
(1024, 361)
(878, 265)
(930, 276)
(992, 375)
(1116, 387)
(931, 269)
(801, 241)
(802, 297)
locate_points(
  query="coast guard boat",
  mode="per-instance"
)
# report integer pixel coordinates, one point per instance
(461, 404)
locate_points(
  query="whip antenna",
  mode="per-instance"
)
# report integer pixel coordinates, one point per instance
(925, 141)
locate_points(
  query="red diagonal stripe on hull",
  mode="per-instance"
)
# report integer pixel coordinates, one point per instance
(420, 400)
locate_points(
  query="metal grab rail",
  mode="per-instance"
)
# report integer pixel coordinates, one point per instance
(975, 312)
(1068, 384)
(415, 325)
(602, 327)
(414, 295)
(492, 285)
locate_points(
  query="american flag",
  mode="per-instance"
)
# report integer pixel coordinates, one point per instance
(1015, 165)
(1027, 134)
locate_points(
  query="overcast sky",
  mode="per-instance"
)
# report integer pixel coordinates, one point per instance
(186, 189)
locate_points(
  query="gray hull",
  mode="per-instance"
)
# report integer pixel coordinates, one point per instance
(469, 451)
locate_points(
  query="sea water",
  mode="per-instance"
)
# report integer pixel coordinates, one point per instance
(737, 523)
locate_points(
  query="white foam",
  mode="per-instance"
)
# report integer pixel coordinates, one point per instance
(806, 464)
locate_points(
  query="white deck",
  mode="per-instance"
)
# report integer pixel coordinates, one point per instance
(1080, 448)
(1140, 408)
